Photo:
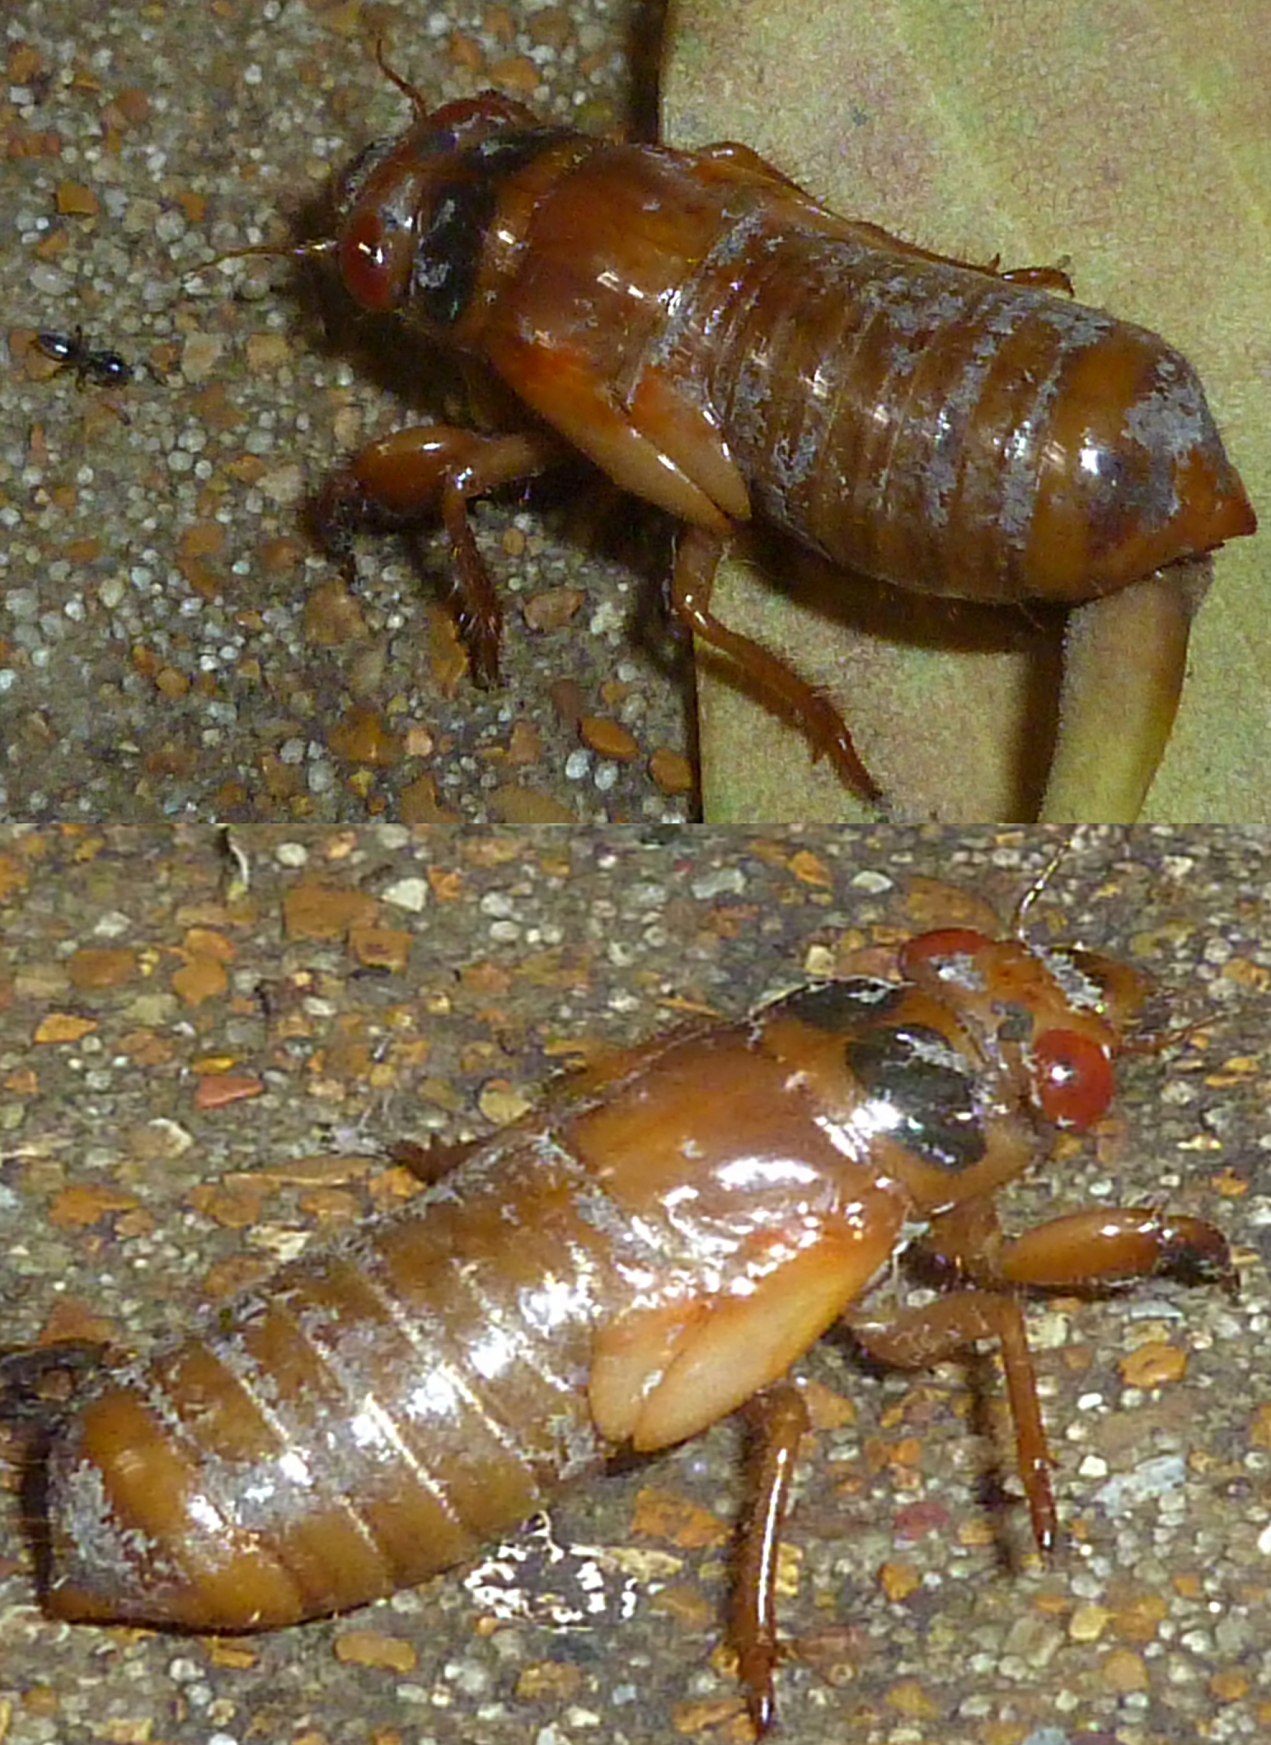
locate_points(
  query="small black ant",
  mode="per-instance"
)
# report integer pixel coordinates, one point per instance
(101, 368)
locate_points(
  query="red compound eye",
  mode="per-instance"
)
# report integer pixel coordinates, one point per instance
(366, 262)
(943, 942)
(1073, 1080)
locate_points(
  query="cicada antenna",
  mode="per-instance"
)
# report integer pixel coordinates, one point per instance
(296, 251)
(412, 93)
(1039, 884)
(1154, 1041)
(304, 251)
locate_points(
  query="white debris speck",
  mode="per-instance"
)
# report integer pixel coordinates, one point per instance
(410, 894)
(1151, 1478)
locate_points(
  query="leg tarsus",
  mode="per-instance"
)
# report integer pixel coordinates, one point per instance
(778, 1418)
(429, 1162)
(745, 158)
(696, 560)
(1035, 278)
(479, 615)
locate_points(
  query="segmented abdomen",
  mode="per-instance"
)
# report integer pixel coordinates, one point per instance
(381, 1410)
(943, 429)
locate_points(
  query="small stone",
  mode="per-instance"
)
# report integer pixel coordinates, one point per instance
(217, 1089)
(1153, 1365)
(77, 1207)
(363, 737)
(608, 738)
(374, 1648)
(101, 967)
(63, 1027)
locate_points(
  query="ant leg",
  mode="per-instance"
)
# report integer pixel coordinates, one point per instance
(406, 477)
(919, 1337)
(696, 560)
(777, 1418)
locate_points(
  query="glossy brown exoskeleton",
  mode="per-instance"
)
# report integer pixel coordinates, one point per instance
(649, 1250)
(724, 347)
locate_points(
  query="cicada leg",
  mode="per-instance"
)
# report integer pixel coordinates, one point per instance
(696, 560)
(778, 1418)
(405, 478)
(917, 1338)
